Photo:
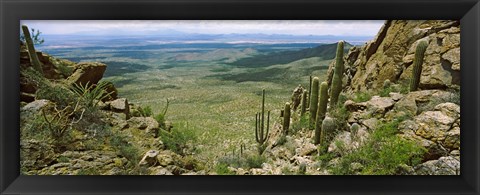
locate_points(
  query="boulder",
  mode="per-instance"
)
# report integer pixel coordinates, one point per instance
(149, 124)
(448, 165)
(87, 72)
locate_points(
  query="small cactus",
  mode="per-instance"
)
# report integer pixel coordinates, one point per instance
(417, 65)
(260, 134)
(322, 109)
(286, 118)
(386, 84)
(304, 103)
(354, 130)
(328, 128)
(314, 102)
(37, 65)
(336, 87)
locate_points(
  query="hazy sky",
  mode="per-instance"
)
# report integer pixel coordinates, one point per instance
(142, 27)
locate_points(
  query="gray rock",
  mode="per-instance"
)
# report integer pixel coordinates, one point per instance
(443, 166)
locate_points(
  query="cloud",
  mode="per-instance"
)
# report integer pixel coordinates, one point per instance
(292, 27)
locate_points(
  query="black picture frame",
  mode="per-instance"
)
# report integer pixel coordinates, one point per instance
(12, 11)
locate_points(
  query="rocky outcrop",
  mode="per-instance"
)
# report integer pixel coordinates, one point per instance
(390, 55)
(87, 72)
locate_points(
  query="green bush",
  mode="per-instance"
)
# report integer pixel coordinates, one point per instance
(145, 111)
(222, 169)
(125, 149)
(91, 94)
(255, 161)
(362, 96)
(382, 154)
(177, 139)
(385, 92)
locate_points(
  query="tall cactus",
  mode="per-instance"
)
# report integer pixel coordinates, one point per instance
(322, 109)
(417, 65)
(37, 65)
(260, 134)
(309, 92)
(304, 103)
(286, 118)
(336, 87)
(313, 102)
(328, 128)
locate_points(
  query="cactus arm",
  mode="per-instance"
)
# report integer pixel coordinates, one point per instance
(304, 103)
(256, 128)
(37, 65)
(337, 75)
(268, 127)
(314, 102)
(286, 118)
(417, 65)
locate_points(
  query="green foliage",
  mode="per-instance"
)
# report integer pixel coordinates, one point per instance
(91, 94)
(255, 161)
(302, 123)
(222, 169)
(382, 154)
(178, 138)
(362, 96)
(56, 93)
(125, 148)
(385, 92)
(417, 65)
(336, 87)
(63, 159)
(35, 36)
(145, 111)
(302, 169)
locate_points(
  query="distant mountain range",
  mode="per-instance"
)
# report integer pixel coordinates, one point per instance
(325, 51)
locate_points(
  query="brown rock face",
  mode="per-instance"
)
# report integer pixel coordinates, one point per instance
(391, 53)
(87, 72)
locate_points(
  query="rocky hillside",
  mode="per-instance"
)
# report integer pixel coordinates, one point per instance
(380, 124)
(73, 123)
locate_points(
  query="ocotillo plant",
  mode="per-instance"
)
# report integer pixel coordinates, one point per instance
(417, 65)
(260, 134)
(313, 102)
(286, 118)
(336, 87)
(322, 109)
(304, 103)
(328, 128)
(37, 65)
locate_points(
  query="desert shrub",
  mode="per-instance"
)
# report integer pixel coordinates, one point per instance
(178, 138)
(57, 93)
(281, 140)
(90, 94)
(145, 111)
(255, 161)
(125, 149)
(222, 169)
(300, 124)
(35, 35)
(362, 96)
(385, 92)
(382, 154)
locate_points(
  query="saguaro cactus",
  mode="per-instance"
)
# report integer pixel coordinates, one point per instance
(336, 87)
(260, 134)
(328, 127)
(322, 109)
(417, 65)
(309, 92)
(286, 118)
(313, 102)
(37, 65)
(304, 103)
